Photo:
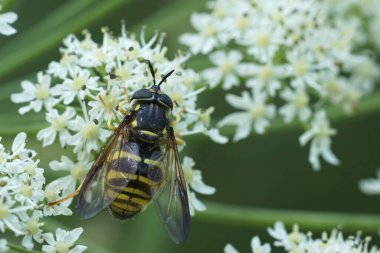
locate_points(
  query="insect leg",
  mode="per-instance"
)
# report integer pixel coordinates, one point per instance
(122, 103)
(72, 195)
(109, 122)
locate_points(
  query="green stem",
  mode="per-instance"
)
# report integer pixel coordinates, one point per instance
(263, 218)
(21, 249)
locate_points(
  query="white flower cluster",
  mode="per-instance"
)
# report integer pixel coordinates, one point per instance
(23, 201)
(5, 20)
(70, 90)
(296, 241)
(291, 60)
(363, 15)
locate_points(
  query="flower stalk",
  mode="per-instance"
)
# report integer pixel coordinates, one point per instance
(265, 217)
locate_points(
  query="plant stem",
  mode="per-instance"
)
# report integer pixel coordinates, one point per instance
(264, 217)
(21, 249)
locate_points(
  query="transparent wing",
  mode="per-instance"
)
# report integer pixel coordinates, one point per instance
(171, 198)
(109, 174)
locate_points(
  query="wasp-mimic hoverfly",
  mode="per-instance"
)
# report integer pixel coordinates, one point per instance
(139, 163)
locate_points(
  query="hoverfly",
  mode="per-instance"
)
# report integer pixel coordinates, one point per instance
(139, 163)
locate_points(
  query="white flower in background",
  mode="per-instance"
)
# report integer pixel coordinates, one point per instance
(297, 104)
(320, 136)
(227, 65)
(22, 195)
(256, 247)
(37, 94)
(207, 39)
(63, 241)
(87, 135)
(58, 126)
(302, 56)
(257, 112)
(194, 179)
(370, 186)
(5, 20)
(72, 89)
(297, 242)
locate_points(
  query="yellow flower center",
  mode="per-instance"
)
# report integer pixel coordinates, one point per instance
(123, 73)
(77, 83)
(41, 92)
(301, 100)
(4, 211)
(26, 190)
(110, 100)
(89, 131)
(227, 66)
(59, 123)
(266, 73)
(301, 68)
(78, 171)
(209, 31)
(62, 247)
(50, 195)
(263, 39)
(257, 111)
(33, 226)
(242, 22)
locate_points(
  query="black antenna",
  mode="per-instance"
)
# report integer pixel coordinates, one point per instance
(151, 71)
(165, 77)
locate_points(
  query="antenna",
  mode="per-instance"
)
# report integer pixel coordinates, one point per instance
(151, 71)
(165, 77)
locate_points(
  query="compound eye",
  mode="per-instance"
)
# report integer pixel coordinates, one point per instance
(166, 100)
(142, 94)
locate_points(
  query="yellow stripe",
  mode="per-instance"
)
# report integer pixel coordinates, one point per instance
(113, 174)
(152, 162)
(135, 200)
(124, 154)
(137, 107)
(134, 124)
(137, 192)
(126, 206)
(148, 133)
(147, 181)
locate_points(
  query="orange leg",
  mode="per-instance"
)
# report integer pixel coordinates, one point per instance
(72, 195)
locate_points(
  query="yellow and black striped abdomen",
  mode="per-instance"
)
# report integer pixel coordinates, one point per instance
(128, 181)
(133, 199)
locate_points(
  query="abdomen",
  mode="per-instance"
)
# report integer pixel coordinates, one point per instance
(133, 199)
(134, 173)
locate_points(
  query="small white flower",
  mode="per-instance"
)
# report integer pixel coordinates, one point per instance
(4, 245)
(227, 65)
(230, 249)
(58, 126)
(32, 228)
(87, 135)
(320, 136)
(297, 104)
(195, 204)
(37, 94)
(5, 20)
(257, 112)
(194, 177)
(207, 39)
(371, 185)
(77, 84)
(255, 246)
(63, 241)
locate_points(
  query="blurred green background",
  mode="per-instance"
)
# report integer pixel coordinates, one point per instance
(269, 171)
